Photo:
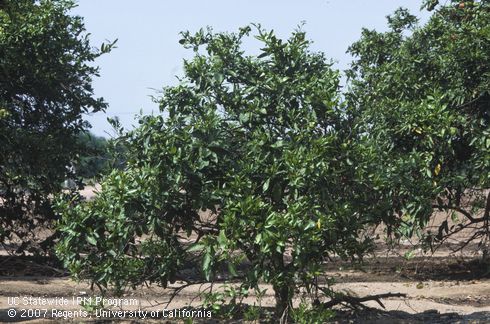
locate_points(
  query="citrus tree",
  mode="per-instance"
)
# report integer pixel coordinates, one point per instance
(253, 173)
(421, 95)
(46, 76)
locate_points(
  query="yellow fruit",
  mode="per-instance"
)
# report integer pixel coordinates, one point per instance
(437, 170)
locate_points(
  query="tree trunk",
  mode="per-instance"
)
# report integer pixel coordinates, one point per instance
(283, 290)
(283, 301)
(486, 220)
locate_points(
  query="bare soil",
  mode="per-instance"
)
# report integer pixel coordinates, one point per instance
(439, 289)
(444, 287)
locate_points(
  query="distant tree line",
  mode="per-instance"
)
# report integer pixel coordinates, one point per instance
(94, 156)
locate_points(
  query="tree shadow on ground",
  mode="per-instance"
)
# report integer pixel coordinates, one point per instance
(397, 269)
(30, 266)
(371, 316)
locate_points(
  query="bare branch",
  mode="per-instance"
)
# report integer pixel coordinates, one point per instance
(356, 301)
(459, 210)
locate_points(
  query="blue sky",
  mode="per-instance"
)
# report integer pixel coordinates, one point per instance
(148, 55)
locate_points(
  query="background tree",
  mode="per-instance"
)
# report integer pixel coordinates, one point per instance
(260, 143)
(45, 87)
(421, 95)
(95, 156)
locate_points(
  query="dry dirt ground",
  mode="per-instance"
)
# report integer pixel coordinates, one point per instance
(444, 287)
(439, 290)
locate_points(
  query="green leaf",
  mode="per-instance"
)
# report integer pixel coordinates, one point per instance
(222, 240)
(244, 118)
(206, 265)
(232, 269)
(266, 184)
(196, 247)
(92, 240)
(258, 239)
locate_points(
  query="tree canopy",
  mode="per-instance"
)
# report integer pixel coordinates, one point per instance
(421, 96)
(262, 169)
(254, 164)
(46, 76)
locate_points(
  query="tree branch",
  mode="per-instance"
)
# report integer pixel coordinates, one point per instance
(486, 215)
(356, 301)
(460, 210)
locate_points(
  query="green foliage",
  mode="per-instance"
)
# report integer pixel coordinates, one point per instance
(91, 306)
(305, 313)
(94, 156)
(227, 302)
(253, 313)
(255, 165)
(421, 96)
(261, 172)
(45, 87)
